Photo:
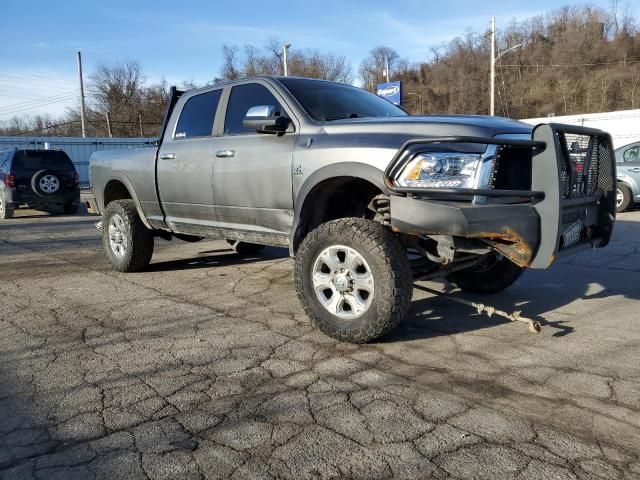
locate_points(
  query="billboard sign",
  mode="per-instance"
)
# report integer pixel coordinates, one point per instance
(392, 91)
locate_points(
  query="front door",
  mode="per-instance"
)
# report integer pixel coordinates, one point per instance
(628, 166)
(252, 171)
(185, 164)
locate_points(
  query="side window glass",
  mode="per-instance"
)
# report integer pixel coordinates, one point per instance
(4, 161)
(197, 116)
(242, 98)
(631, 154)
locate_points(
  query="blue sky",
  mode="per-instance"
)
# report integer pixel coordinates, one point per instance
(183, 40)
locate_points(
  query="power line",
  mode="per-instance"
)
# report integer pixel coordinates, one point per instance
(44, 104)
(44, 128)
(38, 100)
(543, 65)
(36, 77)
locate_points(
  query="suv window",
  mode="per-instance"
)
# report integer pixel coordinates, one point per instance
(4, 161)
(242, 98)
(632, 154)
(198, 114)
(34, 160)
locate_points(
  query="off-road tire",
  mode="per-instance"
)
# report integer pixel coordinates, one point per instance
(139, 239)
(501, 274)
(393, 284)
(245, 248)
(70, 208)
(626, 197)
(5, 211)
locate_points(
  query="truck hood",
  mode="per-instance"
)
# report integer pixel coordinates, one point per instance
(429, 125)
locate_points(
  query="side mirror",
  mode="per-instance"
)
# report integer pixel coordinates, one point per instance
(265, 119)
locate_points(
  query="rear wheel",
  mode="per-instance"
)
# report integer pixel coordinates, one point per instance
(623, 197)
(5, 210)
(245, 248)
(353, 279)
(70, 208)
(492, 275)
(127, 242)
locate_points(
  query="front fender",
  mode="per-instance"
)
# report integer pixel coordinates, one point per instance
(629, 182)
(359, 170)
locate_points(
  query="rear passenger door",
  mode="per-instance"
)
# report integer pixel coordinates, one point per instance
(252, 185)
(185, 163)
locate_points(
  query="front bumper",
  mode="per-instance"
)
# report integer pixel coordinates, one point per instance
(567, 208)
(513, 230)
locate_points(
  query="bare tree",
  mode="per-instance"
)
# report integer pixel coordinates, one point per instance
(268, 61)
(373, 67)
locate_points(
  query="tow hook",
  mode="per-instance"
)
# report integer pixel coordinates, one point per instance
(99, 225)
(514, 316)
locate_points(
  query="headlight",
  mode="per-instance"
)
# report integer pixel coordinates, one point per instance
(441, 170)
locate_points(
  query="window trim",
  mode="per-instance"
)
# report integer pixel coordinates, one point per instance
(624, 153)
(215, 116)
(272, 91)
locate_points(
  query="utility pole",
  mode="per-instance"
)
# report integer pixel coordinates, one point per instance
(140, 123)
(386, 67)
(492, 93)
(285, 48)
(82, 113)
(109, 125)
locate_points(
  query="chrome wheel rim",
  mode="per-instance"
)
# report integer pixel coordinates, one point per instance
(117, 236)
(619, 197)
(343, 282)
(49, 184)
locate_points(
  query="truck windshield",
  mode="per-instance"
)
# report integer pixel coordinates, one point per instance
(327, 101)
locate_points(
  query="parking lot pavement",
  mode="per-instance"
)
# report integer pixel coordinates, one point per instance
(204, 366)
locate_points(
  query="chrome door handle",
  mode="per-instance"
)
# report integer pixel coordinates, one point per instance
(635, 170)
(225, 153)
(168, 156)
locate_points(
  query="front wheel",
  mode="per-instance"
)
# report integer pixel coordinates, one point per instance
(127, 242)
(353, 279)
(5, 210)
(493, 274)
(623, 197)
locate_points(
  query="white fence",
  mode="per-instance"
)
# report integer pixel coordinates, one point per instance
(79, 149)
(623, 125)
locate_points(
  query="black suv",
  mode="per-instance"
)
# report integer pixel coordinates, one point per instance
(39, 179)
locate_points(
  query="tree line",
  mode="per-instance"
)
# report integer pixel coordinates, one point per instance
(572, 60)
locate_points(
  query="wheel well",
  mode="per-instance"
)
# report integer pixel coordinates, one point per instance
(115, 190)
(338, 197)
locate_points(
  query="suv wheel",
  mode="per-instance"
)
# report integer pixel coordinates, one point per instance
(45, 183)
(353, 279)
(623, 197)
(245, 248)
(5, 210)
(127, 242)
(492, 275)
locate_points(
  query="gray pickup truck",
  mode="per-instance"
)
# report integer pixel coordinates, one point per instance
(366, 198)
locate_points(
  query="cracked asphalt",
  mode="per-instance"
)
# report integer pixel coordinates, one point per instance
(204, 366)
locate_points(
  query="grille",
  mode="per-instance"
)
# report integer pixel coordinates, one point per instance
(585, 167)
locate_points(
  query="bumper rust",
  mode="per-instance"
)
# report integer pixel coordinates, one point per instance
(512, 230)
